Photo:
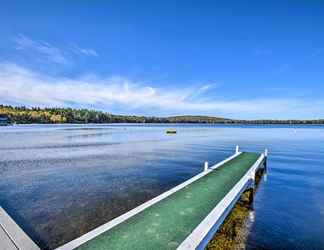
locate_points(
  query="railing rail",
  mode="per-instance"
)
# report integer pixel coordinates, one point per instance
(12, 236)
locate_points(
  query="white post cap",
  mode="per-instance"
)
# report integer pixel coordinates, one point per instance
(206, 166)
(237, 149)
(266, 152)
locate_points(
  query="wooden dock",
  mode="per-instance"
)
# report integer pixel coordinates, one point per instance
(12, 237)
(185, 217)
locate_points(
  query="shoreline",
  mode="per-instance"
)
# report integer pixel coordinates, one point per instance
(170, 124)
(59, 115)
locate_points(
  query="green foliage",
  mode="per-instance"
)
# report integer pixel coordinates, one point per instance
(24, 115)
(197, 119)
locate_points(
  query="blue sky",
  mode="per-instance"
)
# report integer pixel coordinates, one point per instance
(239, 59)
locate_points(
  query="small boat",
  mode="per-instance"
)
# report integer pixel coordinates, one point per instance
(171, 131)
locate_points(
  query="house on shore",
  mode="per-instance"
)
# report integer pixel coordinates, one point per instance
(4, 120)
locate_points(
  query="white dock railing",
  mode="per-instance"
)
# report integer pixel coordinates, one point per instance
(204, 232)
(107, 226)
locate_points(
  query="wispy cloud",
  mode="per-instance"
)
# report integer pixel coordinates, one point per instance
(203, 90)
(23, 86)
(207, 87)
(51, 52)
(82, 51)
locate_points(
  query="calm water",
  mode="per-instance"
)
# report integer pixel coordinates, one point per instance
(59, 182)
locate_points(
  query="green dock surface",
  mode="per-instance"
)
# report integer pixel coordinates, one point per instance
(166, 224)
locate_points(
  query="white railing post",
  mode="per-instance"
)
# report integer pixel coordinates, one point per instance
(252, 176)
(265, 161)
(206, 166)
(237, 149)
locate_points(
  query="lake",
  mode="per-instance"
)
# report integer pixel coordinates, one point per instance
(60, 181)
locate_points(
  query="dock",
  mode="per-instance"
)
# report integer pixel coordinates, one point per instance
(185, 217)
(12, 237)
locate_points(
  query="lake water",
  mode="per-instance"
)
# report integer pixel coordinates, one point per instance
(60, 181)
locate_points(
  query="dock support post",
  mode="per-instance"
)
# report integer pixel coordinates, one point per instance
(206, 166)
(251, 190)
(251, 197)
(265, 159)
(265, 164)
(237, 149)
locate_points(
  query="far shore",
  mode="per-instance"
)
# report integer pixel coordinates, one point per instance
(36, 115)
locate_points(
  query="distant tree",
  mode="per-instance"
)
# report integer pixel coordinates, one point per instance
(23, 114)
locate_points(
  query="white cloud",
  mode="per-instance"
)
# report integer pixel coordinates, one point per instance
(202, 91)
(23, 86)
(207, 87)
(83, 51)
(49, 51)
(41, 50)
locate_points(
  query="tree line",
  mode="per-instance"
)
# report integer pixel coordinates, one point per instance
(25, 115)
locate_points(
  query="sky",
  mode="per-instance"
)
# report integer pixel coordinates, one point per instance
(234, 59)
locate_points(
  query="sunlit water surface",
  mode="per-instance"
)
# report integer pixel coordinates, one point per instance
(60, 181)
